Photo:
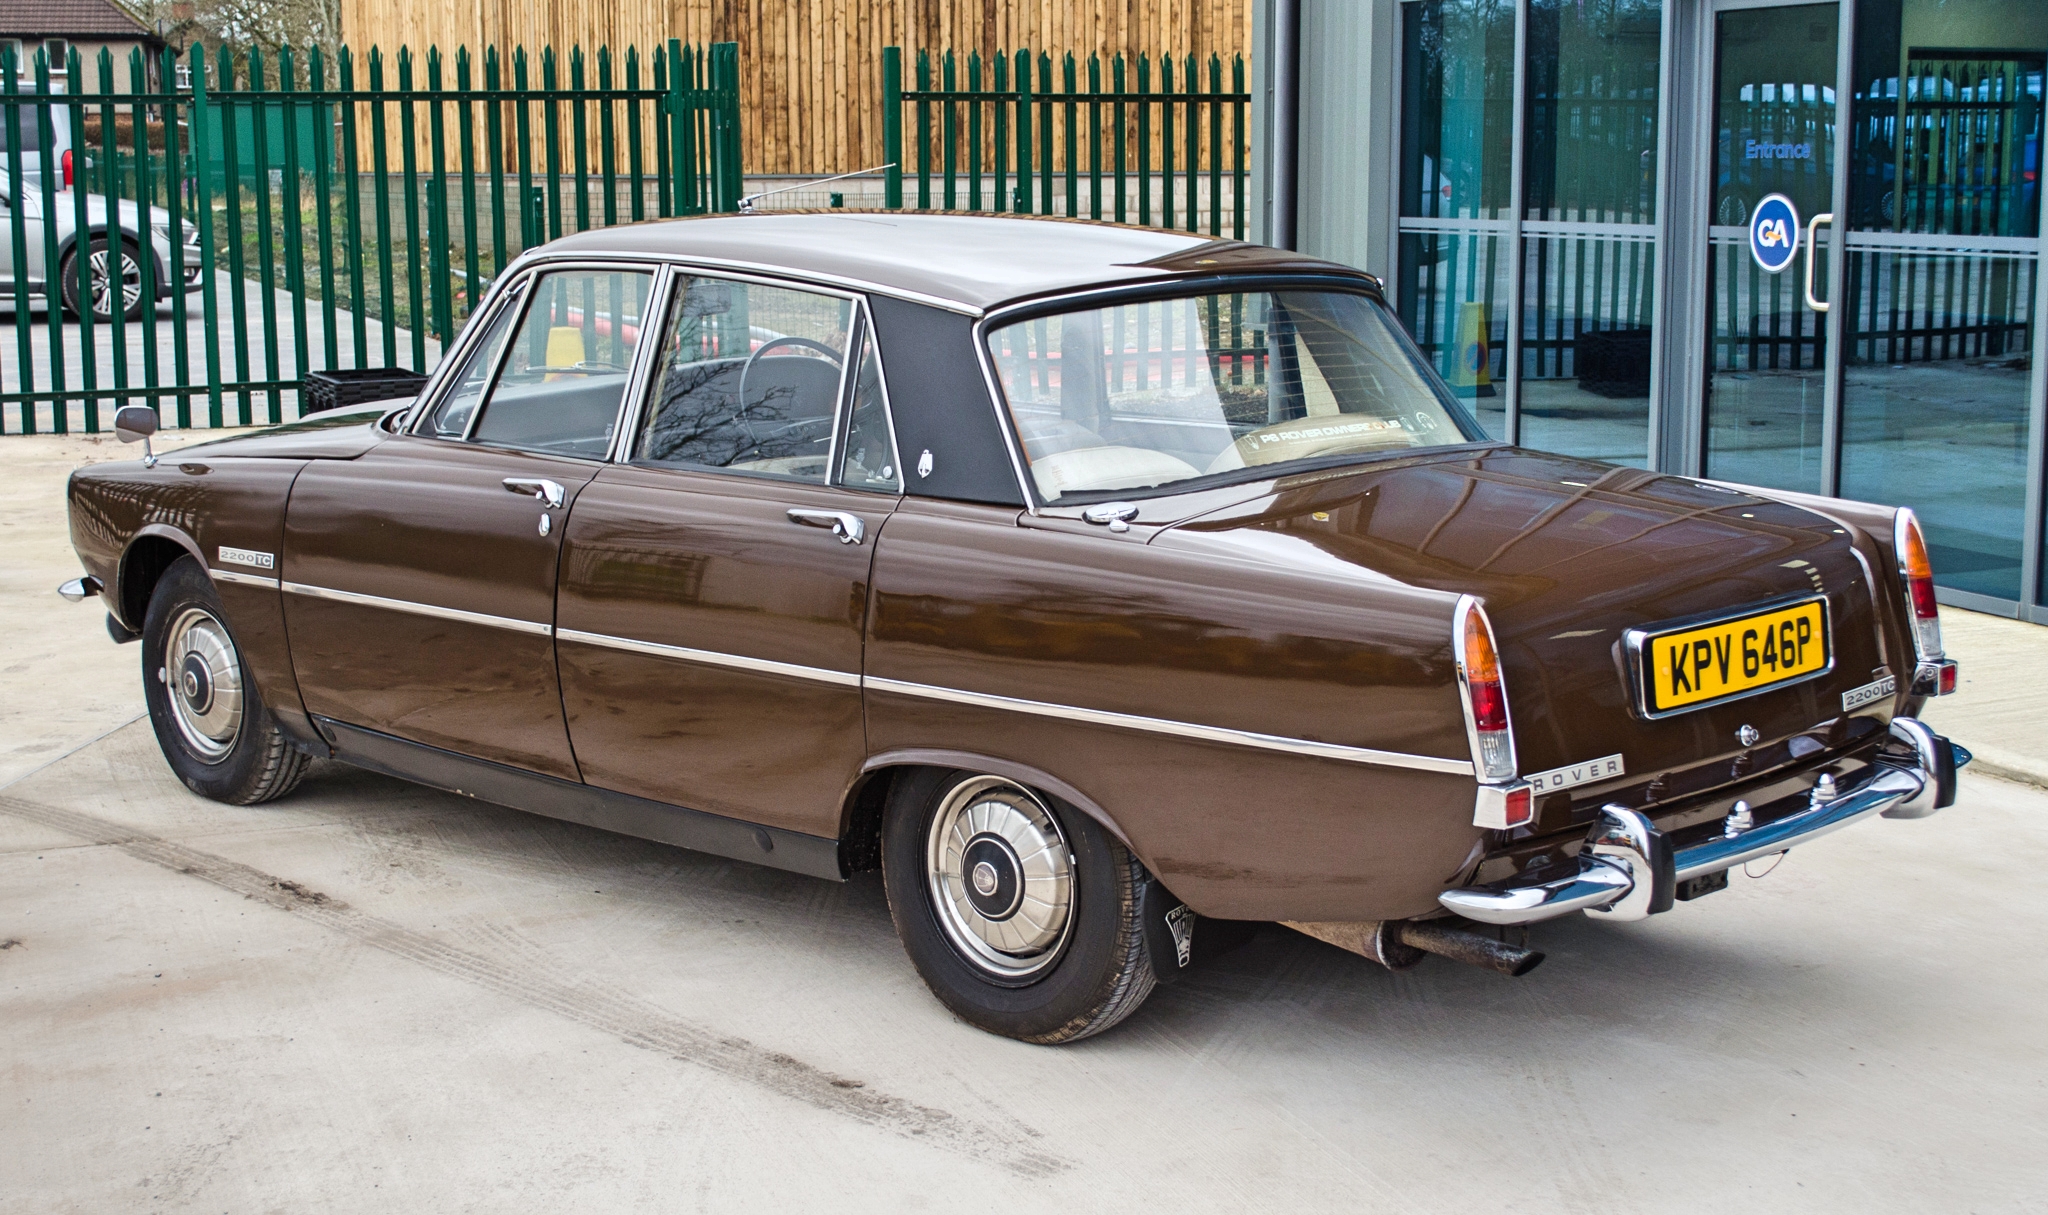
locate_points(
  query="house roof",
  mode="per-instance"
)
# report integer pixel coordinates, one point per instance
(70, 19)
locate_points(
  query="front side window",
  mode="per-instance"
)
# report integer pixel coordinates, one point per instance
(1157, 393)
(452, 415)
(559, 386)
(749, 380)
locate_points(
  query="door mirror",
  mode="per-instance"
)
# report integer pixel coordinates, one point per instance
(134, 423)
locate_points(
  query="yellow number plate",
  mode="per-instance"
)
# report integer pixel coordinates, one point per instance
(1691, 667)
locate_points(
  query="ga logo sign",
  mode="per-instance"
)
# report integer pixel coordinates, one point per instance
(1774, 232)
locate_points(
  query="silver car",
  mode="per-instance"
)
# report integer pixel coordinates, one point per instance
(128, 227)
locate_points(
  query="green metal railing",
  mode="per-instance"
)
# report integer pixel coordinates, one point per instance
(1161, 143)
(330, 212)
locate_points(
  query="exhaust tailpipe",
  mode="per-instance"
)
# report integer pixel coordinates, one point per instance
(1400, 944)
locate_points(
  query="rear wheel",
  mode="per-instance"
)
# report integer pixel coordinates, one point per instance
(1019, 912)
(210, 722)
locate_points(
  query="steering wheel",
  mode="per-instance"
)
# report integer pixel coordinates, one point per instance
(765, 347)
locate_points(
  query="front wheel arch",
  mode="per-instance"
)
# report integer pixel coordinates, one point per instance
(148, 556)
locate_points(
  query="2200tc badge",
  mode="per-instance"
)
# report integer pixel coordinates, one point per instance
(1697, 665)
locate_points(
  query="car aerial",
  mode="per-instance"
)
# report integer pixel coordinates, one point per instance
(1100, 586)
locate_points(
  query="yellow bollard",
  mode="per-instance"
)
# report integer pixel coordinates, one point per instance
(565, 348)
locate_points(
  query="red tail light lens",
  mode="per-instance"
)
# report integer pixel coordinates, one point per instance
(67, 168)
(1485, 695)
(1917, 572)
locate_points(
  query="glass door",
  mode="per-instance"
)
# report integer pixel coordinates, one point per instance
(1774, 131)
(1940, 280)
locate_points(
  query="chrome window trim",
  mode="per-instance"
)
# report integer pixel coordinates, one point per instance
(643, 386)
(359, 599)
(645, 362)
(842, 408)
(713, 658)
(243, 579)
(1633, 642)
(869, 344)
(651, 268)
(1179, 729)
(780, 275)
(510, 295)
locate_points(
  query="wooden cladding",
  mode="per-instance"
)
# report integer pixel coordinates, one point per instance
(810, 70)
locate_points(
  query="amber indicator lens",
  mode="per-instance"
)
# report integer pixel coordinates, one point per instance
(1482, 672)
(1918, 572)
(1687, 668)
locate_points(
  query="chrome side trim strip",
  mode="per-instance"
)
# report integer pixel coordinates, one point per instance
(534, 627)
(1181, 729)
(763, 666)
(269, 584)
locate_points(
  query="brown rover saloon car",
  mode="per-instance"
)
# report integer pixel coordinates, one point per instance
(1094, 584)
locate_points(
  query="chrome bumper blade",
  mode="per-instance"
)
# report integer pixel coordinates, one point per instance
(1903, 788)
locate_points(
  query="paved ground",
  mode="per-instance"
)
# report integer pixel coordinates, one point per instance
(375, 997)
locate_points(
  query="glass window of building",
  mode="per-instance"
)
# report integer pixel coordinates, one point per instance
(1457, 146)
(1941, 277)
(1589, 236)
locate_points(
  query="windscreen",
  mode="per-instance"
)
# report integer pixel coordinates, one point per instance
(1157, 393)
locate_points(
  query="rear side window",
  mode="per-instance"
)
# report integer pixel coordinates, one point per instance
(561, 382)
(749, 381)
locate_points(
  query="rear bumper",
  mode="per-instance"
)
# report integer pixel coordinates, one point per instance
(1627, 870)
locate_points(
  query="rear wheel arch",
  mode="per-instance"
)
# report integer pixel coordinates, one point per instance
(148, 555)
(860, 823)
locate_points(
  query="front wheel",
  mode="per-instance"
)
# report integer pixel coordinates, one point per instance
(99, 280)
(209, 720)
(1020, 913)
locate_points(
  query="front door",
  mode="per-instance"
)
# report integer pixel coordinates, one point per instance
(715, 588)
(421, 576)
(1774, 131)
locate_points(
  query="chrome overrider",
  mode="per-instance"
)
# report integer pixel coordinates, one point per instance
(1628, 871)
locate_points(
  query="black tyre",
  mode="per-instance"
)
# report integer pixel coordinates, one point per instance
(1020, 912)
(99, 283)
(209, 720)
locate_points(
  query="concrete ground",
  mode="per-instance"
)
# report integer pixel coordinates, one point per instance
(374, 997)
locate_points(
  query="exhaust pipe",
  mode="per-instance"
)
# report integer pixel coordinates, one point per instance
(1400, 944)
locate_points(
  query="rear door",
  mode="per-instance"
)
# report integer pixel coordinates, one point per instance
(421, 576)
(715, 585)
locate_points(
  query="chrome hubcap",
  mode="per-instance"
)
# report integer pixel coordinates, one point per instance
(1000, 875)
(203, 679)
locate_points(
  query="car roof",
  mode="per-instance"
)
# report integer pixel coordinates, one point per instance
(964, 262)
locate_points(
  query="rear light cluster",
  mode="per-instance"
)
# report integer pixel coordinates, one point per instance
(1503, 801)
(1934, 674)
(67, 168)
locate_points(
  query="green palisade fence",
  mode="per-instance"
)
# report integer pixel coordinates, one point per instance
(1158, 142)
(319, 211)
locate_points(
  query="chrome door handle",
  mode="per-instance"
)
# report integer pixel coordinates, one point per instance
(848, 528)
(1823, 218)
(549, 492)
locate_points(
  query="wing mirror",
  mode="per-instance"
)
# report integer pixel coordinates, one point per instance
(134, 424)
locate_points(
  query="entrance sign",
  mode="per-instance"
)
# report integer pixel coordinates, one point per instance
(1774, 232)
